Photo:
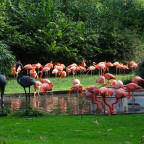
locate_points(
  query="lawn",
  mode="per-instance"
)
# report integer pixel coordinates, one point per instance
(82, 129)
(70, 129)
(64, 84)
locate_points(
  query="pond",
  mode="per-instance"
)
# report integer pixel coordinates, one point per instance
(58, 103)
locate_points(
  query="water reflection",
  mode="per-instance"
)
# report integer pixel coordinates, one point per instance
(76, 104)
(52, 104)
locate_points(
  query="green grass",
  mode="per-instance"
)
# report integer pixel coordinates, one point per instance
(64, 84)
(81, 129)
(114, 129)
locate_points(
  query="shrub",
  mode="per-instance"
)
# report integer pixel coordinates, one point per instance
(30, 112)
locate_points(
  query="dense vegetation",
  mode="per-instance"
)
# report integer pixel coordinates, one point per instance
(69, 31)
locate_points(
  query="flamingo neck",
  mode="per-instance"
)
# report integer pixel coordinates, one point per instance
(108, 105)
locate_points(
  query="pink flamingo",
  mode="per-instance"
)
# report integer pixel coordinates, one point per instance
(37, 87)
(27, 67)
(76, 81)
(137, 80)
(131, 87)
(46, 87)
(95, 90)
(33, 73)
(106, 92)
(119, 84)
(109, 76)
(119, 94)
(101, 80)
(76, 87)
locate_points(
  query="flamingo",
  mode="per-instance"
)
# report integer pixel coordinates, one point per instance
(113, 82)
(24, 81)
(91, 68)
(46, 87)
(46, 69)
(109, 64)
(133, 65)
(73, 69)
(95, 91)
(33, 73)
(43, 80)
(101, 80)
(106, 92)
(137, 80)
(119, 94)
(119, 84)
(116, 64)
(83, 64)
(38, 66)
(37, 87)
(109, 76)
(68, 70)
(62, 74)
(55, 71)
(131, 87)
(90, 95)
(125, 67)
(3, 83)
(27, 67)
(76, 87)
(76, 81)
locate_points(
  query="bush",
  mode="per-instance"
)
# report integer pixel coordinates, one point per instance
(31, 112)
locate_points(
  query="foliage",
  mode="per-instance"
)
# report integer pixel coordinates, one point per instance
(6, 111)
(6, 59)
(31, 112)
(140, 72)
(69, 31)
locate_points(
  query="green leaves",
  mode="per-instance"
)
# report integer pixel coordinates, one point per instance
(6, 59)
(40, 31)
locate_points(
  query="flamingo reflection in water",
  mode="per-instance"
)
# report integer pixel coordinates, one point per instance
(15, 104)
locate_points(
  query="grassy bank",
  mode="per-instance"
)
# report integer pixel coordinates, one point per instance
(115, 129)
(64, 84)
